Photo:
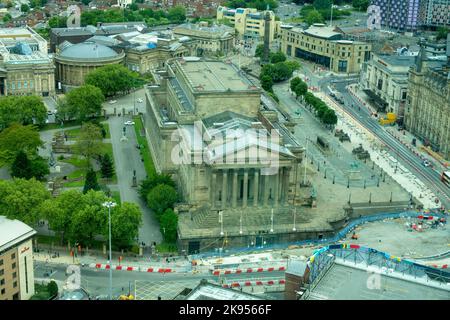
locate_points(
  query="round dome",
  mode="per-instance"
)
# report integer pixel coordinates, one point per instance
(88, 50)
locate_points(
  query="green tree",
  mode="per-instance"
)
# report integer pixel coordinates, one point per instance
(91, 182)
(259, 50)
(294, 82)
(168, 226)
(57, 22)
(361, 5)
(133, 7)
(52, 288)
(90, 219)
(81, 103)
(314, 16)
(107, 166)
(266, 82)
(113, 79)
(21, 167)
(9, 4)
(24, 8)
(6, 18)
(22, 109)
(39, 168)
(125, 222)
(300, 89)
(21, 199)
(17, 138)
(277, 57)
(177, 14)
(60, 210)
(442, 33)
(161, 198)
(151, 182)
(89, 142)
(329, 117)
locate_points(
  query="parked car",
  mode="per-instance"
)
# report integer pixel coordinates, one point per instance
(112, 101)
(140, 100)
(426, 163)
(129, 123)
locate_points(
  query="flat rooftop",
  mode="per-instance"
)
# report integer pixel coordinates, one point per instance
(215, 76)
(12, 232)
(347, 283)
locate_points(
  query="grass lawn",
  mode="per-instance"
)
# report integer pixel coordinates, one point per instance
(75, 132)
(166, 247)
(108, 133)
(41, 292)
(145, 150)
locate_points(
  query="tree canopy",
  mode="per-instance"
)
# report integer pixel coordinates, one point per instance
(89, 142)
(18, 138)
(161, 198)
(258, 4)
(81, 103)
(113, 79)
(22, 199)
(125, 222)
(22, 109)
(168, 226)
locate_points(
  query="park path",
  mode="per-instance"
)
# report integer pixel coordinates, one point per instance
(127, 159)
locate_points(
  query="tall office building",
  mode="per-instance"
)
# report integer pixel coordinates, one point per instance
(399, 15)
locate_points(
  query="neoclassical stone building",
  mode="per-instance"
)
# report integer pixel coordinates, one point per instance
(207, 126)
(74, 61)
(428, 108)
(25, 66)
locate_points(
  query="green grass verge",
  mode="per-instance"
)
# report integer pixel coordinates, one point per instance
(116, 196)
(41, 292)
(145, 150)
(108, 132)
(166, 247)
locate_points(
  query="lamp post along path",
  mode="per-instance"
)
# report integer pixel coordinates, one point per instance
(109, 205)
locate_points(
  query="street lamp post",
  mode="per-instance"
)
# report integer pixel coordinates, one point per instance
(109, 205)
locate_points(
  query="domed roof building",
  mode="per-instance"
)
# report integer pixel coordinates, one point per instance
(74, 61)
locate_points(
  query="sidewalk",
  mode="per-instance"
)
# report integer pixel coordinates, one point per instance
(360, 135)
(404, 136)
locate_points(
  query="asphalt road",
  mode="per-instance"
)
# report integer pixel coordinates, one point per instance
(427, 175)
(96, 281)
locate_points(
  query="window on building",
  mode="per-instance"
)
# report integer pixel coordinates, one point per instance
(31, 84)
(1, 262)
(13, 256)
(13, 265)
(2, 282)
(404, 94)
(2, 272)
(342, 66)
(15, 284)
(19, 85)
(25, 85)
(14, 275)
(3, 291)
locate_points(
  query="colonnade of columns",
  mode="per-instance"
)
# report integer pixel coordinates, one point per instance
(248, 187)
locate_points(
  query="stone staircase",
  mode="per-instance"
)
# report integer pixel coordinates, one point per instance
(260, 217)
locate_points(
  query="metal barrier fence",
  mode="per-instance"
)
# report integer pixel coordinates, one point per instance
(338, 236)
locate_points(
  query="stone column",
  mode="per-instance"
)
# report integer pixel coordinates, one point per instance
(234, 191)
(213, 189)
(286, 185)
(245, 191)
(266, 187)
(224, 188)
(255, 188)
(276, 188)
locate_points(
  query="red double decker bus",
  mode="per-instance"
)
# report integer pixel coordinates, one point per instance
(445, 178)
